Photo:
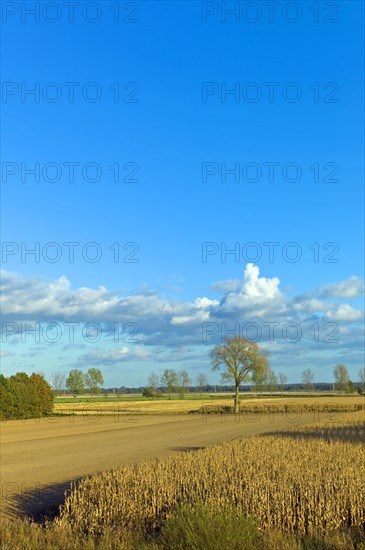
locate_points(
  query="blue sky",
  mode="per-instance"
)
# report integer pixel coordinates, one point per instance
(174, 134)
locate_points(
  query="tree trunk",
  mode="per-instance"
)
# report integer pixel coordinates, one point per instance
(237, 400)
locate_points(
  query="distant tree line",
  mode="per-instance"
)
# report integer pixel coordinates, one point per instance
(342, 382)
(171, 381)
(78, 382)
(263, 379)
(23, 396)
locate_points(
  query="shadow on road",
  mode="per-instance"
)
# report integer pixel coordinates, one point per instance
(38, 503)
(43, 501)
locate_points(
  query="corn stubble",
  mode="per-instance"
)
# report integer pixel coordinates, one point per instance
(255, 405)
(304, 481)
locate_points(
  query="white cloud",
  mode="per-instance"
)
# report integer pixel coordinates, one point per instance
(113, 356)
(344, 312)
(259, 287)
(311, 305)
(198, 317)
(199, 312)
(37, 299)
(229, 285)
(171, 324)
(252, 292)
(350, 288)
(205, 303)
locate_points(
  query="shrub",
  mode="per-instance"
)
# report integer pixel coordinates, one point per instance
(25, 397)
(148, 392)
(208, 526)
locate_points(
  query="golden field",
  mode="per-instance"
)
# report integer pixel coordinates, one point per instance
(302, 488)
(303, 480)
(332, 403)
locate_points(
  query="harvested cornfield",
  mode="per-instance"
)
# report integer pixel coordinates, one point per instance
(211, 406)
(303, 481)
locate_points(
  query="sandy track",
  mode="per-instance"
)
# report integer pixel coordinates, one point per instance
(40, 458)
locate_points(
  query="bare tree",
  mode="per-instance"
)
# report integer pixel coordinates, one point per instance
(361, 375)
(183, 381)
(153, 383)
(58, 381)
(282, 381)
(202, 381)
(341, 377)
(239, 357)
(272, 381)
(308, 377)
(260, 377)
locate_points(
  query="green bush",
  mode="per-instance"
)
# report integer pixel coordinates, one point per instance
(44, 394)
(207, 526)
(148, 392)
(9, 401)
(24, 396)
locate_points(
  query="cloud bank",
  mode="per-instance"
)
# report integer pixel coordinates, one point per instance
(253, 306)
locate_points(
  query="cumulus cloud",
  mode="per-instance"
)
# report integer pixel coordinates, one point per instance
(199, 312)
(350, 288)
(38, 299)
(35, 297)
(344, 312)
(197, 317)
(311, 305)
(229, 285)
(259, 287)
(254, 293)
(172, 324)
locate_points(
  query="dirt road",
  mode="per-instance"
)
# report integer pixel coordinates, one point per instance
(39, 458)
